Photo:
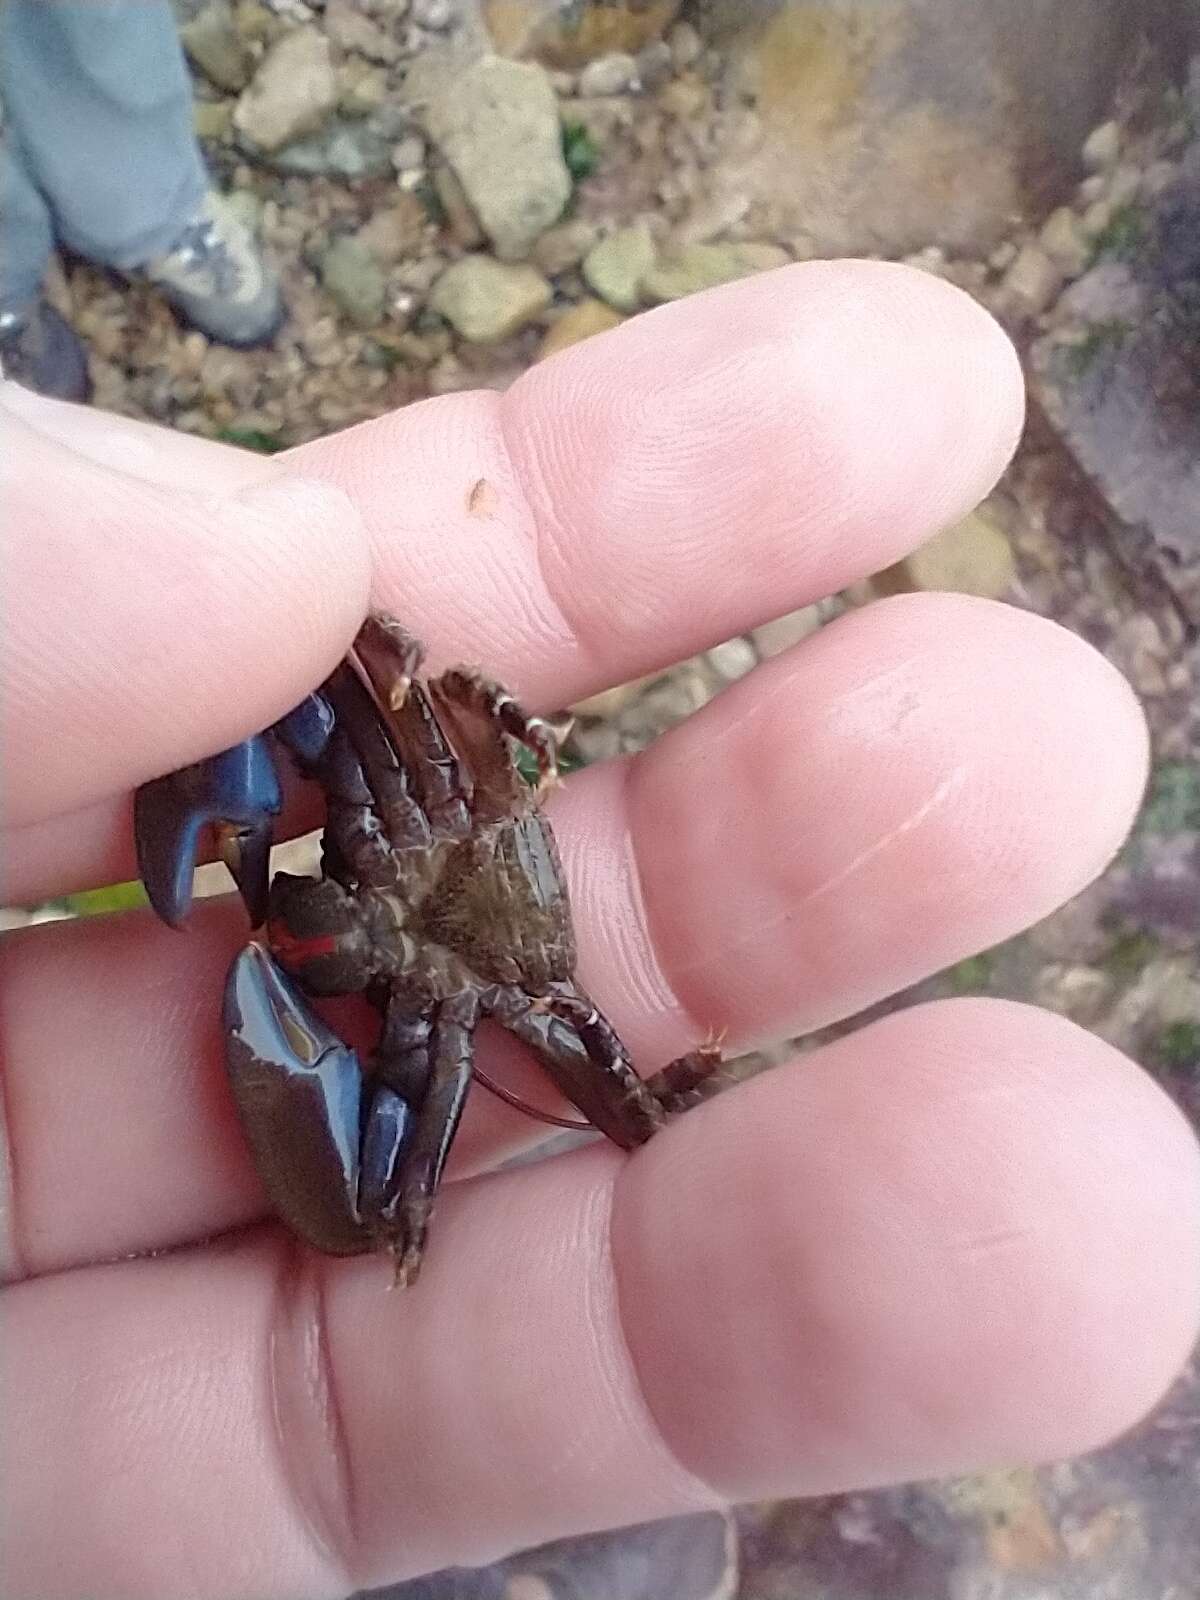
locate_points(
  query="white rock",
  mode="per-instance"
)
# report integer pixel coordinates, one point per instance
(1102, 147)
(1034, 279)
(686, 46)
(733, 659)
(607, 75)
(1065, 241)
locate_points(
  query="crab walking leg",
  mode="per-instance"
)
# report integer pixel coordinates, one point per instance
(453, 1054)
(389, 656)
(365, 769)
(585, 1059)
(493, 701)
(402, 1054)
(681, 1083)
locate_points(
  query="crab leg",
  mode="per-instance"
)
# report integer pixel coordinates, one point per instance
(490, 699)
(585, 1059)
(437, 1122)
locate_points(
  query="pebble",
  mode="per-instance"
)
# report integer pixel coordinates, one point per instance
(654, 65)
(486, 300)
(409, 155)
(361, 89)
(355, 280)
(212, 119)
(616, 266)
(563, 247)
(733, 659)
(1065, 240)
(1034, 279)
(397, 231)
(460, 217)
(973, 556)
(773, 638)
(578, 323)
(1123, 186)
(436, 15)
(1102, 147)
(608, 75)
(351, 30)
(292, 93)
(213, 42)
(686, 46)
(706, 266)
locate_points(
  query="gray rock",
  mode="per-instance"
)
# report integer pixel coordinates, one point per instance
(213, 42)
(354, 278)
(616, 266)
(497, 124)
(1108, 293)
(356, 149)
(1125, 396)
(486, 300)
(351, 30)
(293, 92)
(654, 65)
(608, 75)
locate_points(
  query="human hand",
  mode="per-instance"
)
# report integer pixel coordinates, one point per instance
(964, 1235)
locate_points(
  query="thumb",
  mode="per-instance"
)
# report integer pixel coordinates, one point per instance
(158, 610)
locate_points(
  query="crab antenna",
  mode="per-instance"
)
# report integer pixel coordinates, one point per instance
(518, 1104)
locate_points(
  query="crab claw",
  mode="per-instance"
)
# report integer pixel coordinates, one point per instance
(332, 1172)
(238, 792)
(298, 1091)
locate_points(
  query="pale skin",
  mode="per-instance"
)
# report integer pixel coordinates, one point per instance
(967, 1235)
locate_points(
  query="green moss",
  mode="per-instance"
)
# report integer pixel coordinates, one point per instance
(971, 976)
(1172, 803)
(251, 439)
(527, 764)
(1130, 953)
(1123, 237)
(580, 151)
(1102, 338)
(1178, 1047)
(427, 194)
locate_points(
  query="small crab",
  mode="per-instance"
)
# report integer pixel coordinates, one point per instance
(441, 900)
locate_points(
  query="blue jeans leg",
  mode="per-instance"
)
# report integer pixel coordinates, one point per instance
(99, 100)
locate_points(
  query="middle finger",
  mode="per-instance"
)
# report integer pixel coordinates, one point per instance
(896, 793)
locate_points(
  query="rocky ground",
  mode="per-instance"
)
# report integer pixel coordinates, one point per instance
(453, 191)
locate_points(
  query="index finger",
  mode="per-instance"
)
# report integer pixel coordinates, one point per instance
(706, 467)
(702, 469)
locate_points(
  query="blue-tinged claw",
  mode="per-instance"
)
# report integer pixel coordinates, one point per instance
(306, 730)
(298, 1090)
(238, 792)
